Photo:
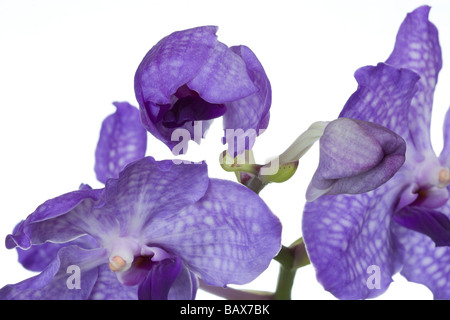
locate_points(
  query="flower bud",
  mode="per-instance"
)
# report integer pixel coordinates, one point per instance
(355, 157)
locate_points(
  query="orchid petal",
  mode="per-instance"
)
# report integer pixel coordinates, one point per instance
(172, 62)
(37, 257)
(432, 223)
(185, 286)
(108, 287)
(77, 201)
(383, 96)
(129, 203)
(122, 140)
(223, 77)
(229, 236)
(53, 282)
(160, 279)
(252, 112)
(148, 191)
(423, 262)
(347, 234)
(417, 48)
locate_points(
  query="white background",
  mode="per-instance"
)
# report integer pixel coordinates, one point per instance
(62, 64)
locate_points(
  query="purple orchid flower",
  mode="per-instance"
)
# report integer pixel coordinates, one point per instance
(152, 232)
(190, 78)
(149, 234)
(357, 242)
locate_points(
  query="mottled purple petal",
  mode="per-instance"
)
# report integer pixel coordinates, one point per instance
(37, 257)
(223, 77)
(185, 286)
(252, 112)
(172, 62)
(108, 287)
(423, 262)
(52, 282)
(148, 191)
(159, 280)
(383, 96)
(355, 157)
(149, 123)
(347, 234)
(417, 48)
(229, 236)
(432, 223)
(122, 140)
(145, 191)
(80, 200)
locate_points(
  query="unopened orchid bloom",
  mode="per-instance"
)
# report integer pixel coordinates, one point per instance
(189, 78)
(358, 242)
(152, 233)
(355, 156)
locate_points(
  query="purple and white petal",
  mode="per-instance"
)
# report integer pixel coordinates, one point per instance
(77, 201)
(160, 279)
(417, 48)
(172, 62)
(37, 257)
(346, 235)
(185, 286)
(425, 263)
(71, 276)
(149, 191)
(145, 190)
(250, 114)
(223, 77)
(122, 140)
(432, 223)
(229, 236)
(383, 96)
(108, 287)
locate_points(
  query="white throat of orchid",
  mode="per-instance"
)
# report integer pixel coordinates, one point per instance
(432, 174)
(124, 251)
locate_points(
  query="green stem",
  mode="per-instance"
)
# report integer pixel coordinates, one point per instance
(290, 259)
(285, 282)
(286, 274)
(256, 184)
